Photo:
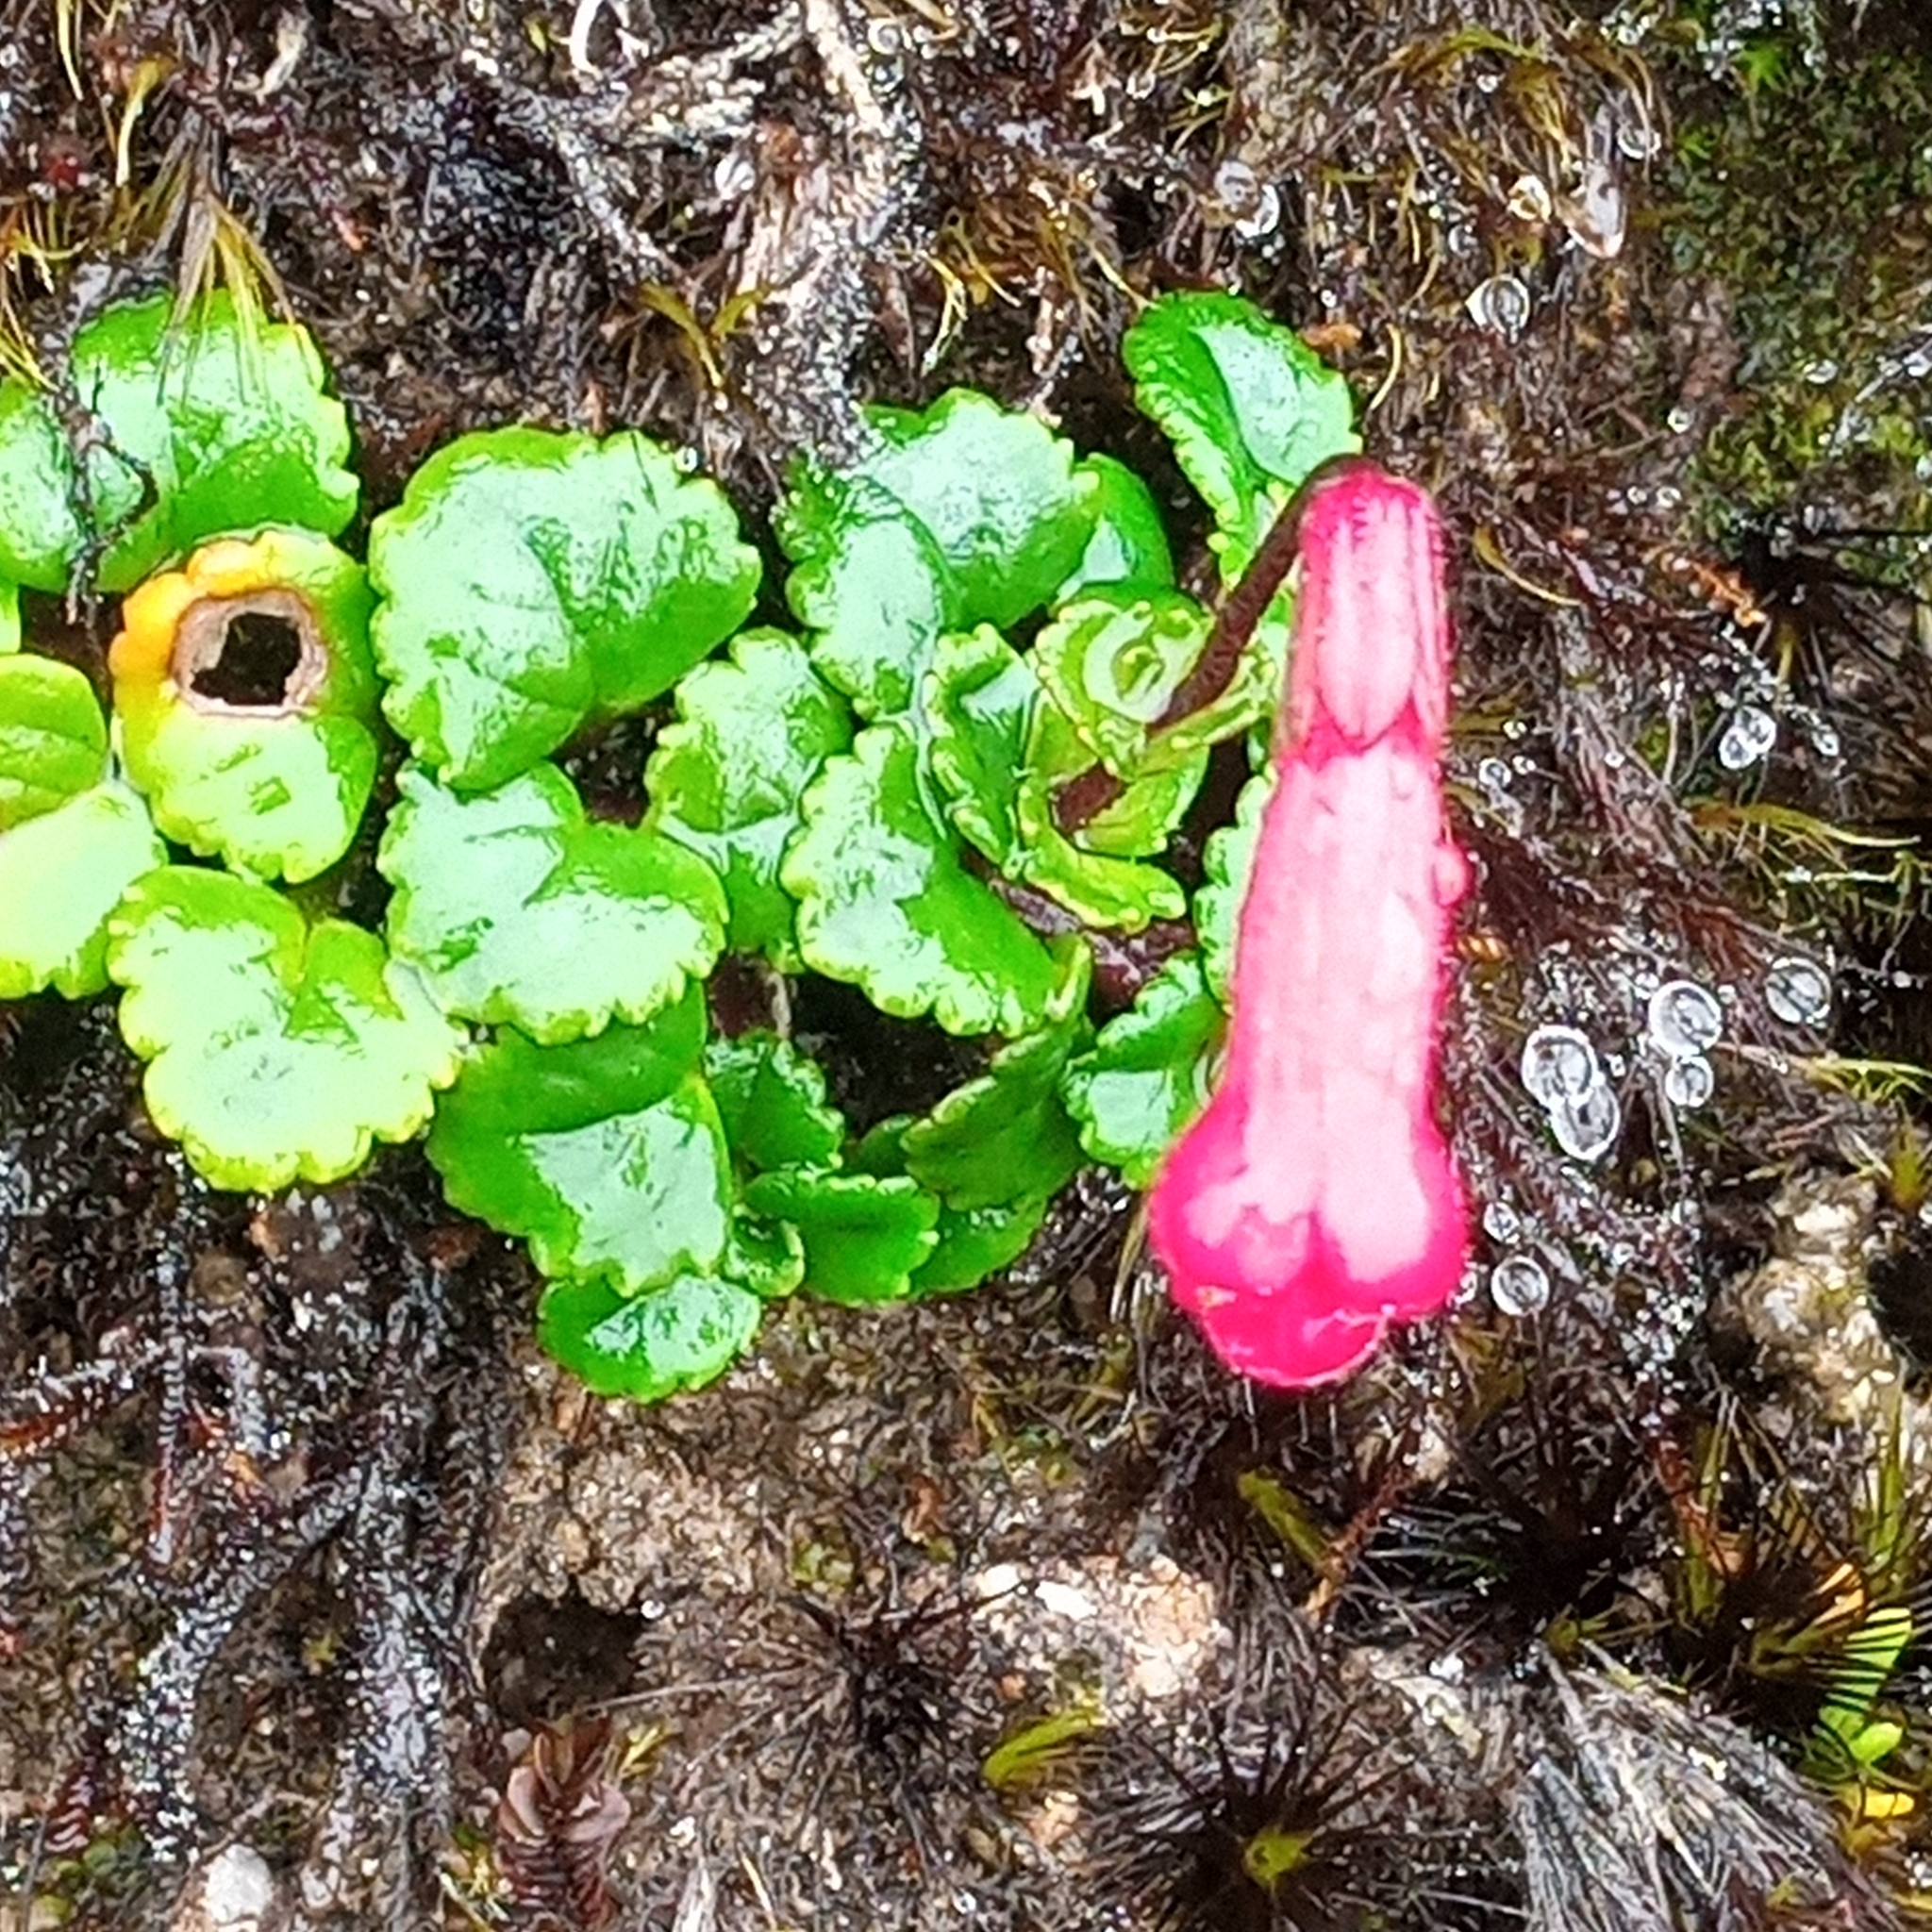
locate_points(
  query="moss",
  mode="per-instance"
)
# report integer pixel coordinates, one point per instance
(1802, 183)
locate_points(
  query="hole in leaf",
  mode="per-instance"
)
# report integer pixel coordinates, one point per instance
(257, 653)
(260, 654)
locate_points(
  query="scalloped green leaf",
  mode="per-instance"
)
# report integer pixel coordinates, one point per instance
(1112, 663)
(605, 1155)
(885, 900)
(62, 876)
(276, 1050)
(533, 581)
(1226, 859)
(651, 1346)
(1101, 890)
(726, 777)
(1251, 409)
(1007, 1135)
(772, 1100)
(1048, 752)
(278, 788)
(978, 702)
(766, 1256)
(223, 423)
(960, 514)
(869, 584)
(1128, 550)
(1150, 1072)
(863, 1235)
(519, 912)
(973, 1242)
(1002, 497)
(514, 1087)
(53, 739)
(999, 750)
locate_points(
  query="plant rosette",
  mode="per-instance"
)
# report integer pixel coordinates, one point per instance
(247, 699)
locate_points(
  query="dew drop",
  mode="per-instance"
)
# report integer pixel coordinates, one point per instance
(1248, 204)
(1518, 1286)
(1688, 1082)
(1637, 141)
(1500, 304)
(1501, 1222)
(1587, 1124)
(1748, 738)
(1560, 1063)
(1685, 1018)
(1798, 992)
(1266, 217)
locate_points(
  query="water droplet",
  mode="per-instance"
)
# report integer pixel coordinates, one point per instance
(1825, 741)
(735, 176)
(1748, 736)
(1249, 206)
(1680, 420)
(1492, 775)
(1798, 992)
(1501, 1222)
(1518, 1286)
(1684, 1019)
(1688, 1082)
(1587, 1124)
(1500, 304)
(1266, 217)
(1560, 1063)
(1637, 140)
(1821, 372)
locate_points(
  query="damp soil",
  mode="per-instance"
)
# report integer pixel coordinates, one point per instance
(326, 1602)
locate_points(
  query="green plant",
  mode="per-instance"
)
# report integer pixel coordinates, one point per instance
(902, 795)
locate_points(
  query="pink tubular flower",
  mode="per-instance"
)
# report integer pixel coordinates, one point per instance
(1314, 1201)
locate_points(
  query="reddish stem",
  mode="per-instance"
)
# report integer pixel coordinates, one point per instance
(1123, 962)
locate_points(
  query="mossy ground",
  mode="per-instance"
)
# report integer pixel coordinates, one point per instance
(301, 1542)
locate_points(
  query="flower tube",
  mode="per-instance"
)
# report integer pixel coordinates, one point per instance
(1313, 1202)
